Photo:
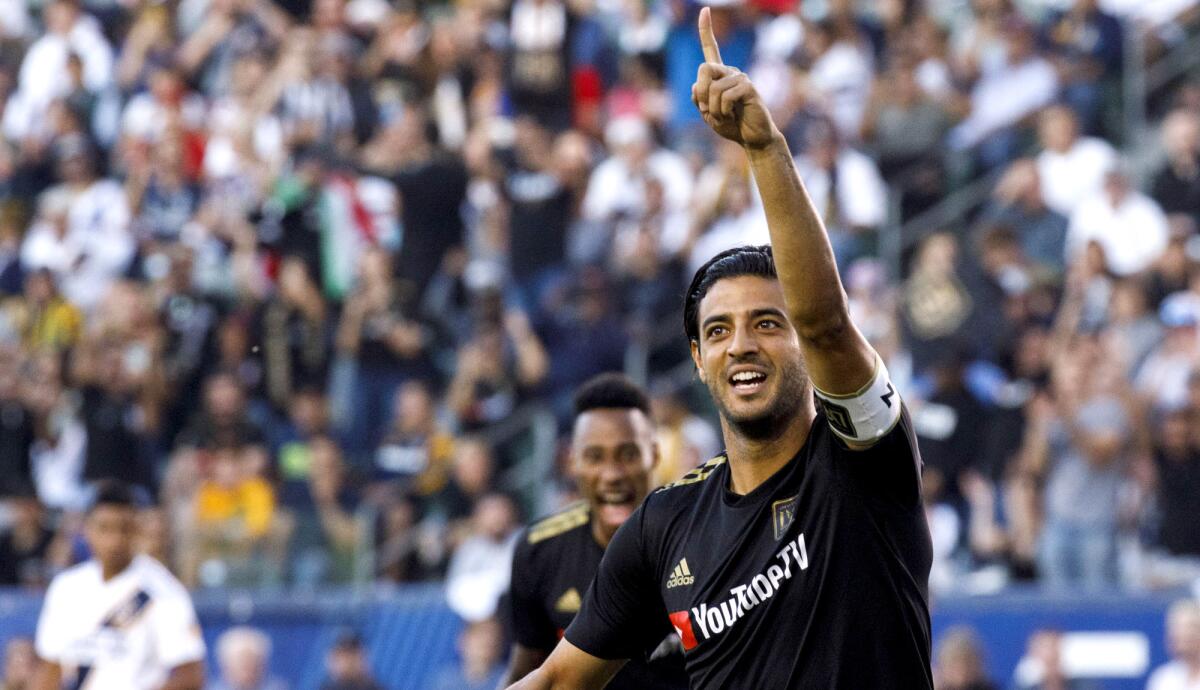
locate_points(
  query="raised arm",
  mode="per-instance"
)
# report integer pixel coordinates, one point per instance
(570, 668)
(840, 361)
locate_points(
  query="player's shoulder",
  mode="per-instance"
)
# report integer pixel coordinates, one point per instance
(157, 578)
(559, 524)
(690, 484)
(84, 575)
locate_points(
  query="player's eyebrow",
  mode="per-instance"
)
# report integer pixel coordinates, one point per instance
(714, 319)
(768, 311)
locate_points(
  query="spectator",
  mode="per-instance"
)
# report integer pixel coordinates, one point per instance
(499, 368)
(840, 73)
(346, 665)
(243, 656)
(1177, 461)
(387, 343)
(87, 241)
(24, 546)
(44, 75)
(1109, 216)
(20, 662)
(470, 480)
(480, 648)
(479, 568)
(416, 450)
(231, 539)
(1087, 45)
(1183, 643)
(16, 429)
(613, 190)
(685, 440)
(1080, 442)
(1176, 186)
(935, 303)
(295, 334)
(326, 533)
(1042, 667)
(1004, 95)
(959, 662)
(1071, 168)
(846, 187)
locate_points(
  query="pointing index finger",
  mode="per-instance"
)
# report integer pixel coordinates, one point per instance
(707, 40)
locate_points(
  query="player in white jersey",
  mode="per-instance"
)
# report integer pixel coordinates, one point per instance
(119, 621)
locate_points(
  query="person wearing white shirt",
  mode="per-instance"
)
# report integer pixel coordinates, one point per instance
(1005, 95)
(846, 188)
(44, 75)
(1128, 225)
(83, 235)
(1071, 168)
(480, 567)
(1183, 642)
(616, 187)
(118, 621)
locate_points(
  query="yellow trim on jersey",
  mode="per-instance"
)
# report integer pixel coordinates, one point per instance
(697, 475)
(567, 519)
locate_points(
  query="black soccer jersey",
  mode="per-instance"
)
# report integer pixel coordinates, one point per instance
(555, 561)
(816, 579)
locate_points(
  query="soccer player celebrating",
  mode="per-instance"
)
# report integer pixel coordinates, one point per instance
(806, 545)
(613, 454)
(119, 620)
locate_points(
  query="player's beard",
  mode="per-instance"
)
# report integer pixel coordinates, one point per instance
(791, 391)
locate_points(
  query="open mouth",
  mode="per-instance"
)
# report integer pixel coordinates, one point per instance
(615, 507)
(748, 381)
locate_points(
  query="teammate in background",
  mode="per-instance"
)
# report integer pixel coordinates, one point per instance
(120, 620)
(806, 543)
(613, 455)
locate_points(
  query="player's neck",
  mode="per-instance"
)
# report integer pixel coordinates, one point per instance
(602, 534)
(110, 570)
(753, 461)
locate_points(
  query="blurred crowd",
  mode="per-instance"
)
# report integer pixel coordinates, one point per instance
(318, 275)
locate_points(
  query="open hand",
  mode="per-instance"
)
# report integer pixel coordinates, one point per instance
(726, 98)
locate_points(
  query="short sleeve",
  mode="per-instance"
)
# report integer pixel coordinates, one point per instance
(891, 468)
(622, 613)
(531, 627)
(50, 640)
(177, 635)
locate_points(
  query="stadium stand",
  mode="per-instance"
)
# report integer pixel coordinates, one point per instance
(320, 277)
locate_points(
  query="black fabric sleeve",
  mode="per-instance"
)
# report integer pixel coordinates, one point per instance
(622, 613)
(532, 628)
(890, 469)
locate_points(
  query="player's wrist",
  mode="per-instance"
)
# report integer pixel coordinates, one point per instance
(768, 146)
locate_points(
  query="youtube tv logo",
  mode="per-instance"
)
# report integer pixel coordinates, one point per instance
(682, 622)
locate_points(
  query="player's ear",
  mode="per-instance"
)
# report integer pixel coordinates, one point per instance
(655, 455)
(695, 347)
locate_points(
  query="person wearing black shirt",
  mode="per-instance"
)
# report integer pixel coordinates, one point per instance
(799, 558)
(613, 454)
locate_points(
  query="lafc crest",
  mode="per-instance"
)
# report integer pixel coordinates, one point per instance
(783, 513)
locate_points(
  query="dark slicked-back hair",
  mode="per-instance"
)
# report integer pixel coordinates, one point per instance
(609, 391)
(731, 263)
(113, 493)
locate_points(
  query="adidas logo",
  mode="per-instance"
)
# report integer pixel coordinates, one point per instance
(682, 576)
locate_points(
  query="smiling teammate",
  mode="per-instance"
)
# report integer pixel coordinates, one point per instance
(613, 454)
(806, 545)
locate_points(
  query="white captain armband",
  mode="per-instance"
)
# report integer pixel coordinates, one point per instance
(865, 416)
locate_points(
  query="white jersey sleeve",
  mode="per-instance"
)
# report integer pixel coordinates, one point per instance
(175, 629)
(866, 415)
(52, 627)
